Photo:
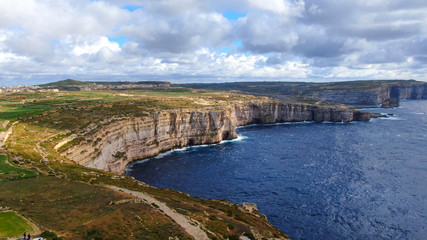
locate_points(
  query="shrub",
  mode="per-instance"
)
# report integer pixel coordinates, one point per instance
(233, 237)
(93, 234)
(49, 235)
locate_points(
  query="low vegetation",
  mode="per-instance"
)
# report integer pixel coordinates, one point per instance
(11, 172)
(71, 201)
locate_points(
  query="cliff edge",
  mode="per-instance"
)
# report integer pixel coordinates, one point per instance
(386, 93)
(123, 140)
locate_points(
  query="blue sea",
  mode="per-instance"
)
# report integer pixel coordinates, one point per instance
(359, 180)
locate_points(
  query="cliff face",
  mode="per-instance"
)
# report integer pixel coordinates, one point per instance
(408, 92)
(273, 112)
(115, 145)
(355, 97)
(381, 95)
(118, 143)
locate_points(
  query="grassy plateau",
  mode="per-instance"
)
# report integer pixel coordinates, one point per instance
(73, 202)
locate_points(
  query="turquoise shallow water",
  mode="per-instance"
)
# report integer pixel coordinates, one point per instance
(360, 180)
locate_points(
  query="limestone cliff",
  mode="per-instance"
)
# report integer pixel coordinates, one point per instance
(376, 96)
(124, 140)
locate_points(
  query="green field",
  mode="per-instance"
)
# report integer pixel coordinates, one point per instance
(8, 172)
(13, 111)
(13, 225)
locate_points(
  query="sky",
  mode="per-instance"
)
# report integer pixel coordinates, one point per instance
(212, 40)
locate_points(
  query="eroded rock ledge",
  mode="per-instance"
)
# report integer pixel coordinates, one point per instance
(122, 141)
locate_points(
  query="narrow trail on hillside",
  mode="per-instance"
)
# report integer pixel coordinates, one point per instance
(5, 134)
(182, 220)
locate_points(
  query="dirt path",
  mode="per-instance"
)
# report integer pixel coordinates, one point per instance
(183, 221)
(5, 135)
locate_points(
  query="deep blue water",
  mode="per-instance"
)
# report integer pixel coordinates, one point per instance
(360, 180)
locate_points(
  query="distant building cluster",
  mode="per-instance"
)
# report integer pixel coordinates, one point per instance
(21, 89)
(124, 86)
(86, 87)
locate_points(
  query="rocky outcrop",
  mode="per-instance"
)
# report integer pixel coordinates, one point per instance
(386, 96)
(122, 141)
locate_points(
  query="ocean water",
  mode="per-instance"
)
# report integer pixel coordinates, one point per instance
(360, 180)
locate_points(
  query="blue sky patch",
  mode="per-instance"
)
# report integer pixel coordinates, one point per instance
(238, 43)
(233, 15)
(120, 39)
(224, 50)
(132, 8)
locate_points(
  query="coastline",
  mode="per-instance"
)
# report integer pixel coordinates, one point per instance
(117, 132)
(183, 149)
(122, 141)
(374, 116)
(210, 162)
(237, 139)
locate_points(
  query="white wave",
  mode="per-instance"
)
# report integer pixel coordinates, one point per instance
(238, 139)
(417, 113)
(392, 118)
(275, 124)
(201, 146)
(130, 165)
(183, 149)
(164, 154)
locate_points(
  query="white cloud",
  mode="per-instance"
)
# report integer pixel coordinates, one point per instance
(102, 43)
(184, 32)
(10, 57)
(55, 19)
(279, 6)
(185, 40)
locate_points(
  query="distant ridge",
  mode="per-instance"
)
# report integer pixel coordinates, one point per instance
(386, 93)
(72, 82)
(64, 83)
(75, 85)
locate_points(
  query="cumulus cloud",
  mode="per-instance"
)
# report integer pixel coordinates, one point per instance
(184, 32)
(192, 40)
(279, 6)
(101, 44)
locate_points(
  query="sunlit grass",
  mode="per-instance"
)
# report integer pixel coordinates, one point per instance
(13, 225)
